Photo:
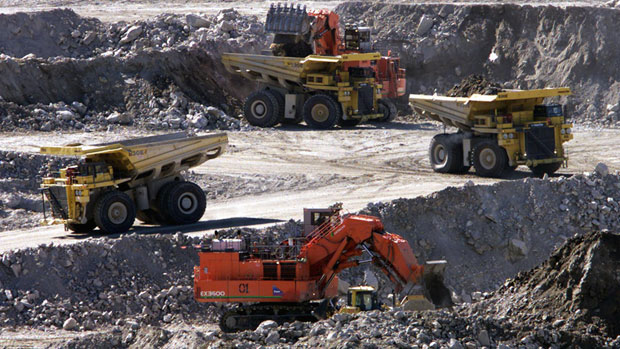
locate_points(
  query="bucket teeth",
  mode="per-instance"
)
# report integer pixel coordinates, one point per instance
(286, 19)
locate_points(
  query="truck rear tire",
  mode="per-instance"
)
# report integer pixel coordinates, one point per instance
(262, 109)
(321, 111)
(446, 154)
(490, 160)
(182, 202)
(87, 227)
(114, 212)
(549, 169)
(281, 104)
(388, 109)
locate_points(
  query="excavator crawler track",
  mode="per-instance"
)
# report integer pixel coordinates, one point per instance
(249, 317)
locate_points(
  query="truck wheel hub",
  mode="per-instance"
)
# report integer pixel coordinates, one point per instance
(320, 113)
(487, 158)
(259, 109)
(440, 154)
(187, 203)
(117, 213)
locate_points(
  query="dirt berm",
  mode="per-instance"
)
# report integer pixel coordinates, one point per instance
(576, 292)
(518, 46)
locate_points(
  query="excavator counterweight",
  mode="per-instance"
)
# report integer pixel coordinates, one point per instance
(296, 279)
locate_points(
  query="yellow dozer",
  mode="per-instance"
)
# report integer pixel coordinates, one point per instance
(115, 183)
(497, 133)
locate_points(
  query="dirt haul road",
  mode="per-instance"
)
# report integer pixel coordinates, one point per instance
(276, 173)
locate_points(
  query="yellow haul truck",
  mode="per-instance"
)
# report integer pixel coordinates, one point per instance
(321, 90)
(497, 133)
(115, 183)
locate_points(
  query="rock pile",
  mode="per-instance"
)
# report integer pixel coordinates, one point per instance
(126, 282)
(573, 298)
(163, 73)
(439, 44)
(474, 84)
(490, 233)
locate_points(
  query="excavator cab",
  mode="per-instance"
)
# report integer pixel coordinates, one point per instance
(314, 217)
(357, 39)
(361, 298)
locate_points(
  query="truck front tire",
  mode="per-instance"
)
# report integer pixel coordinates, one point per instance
(490, 160)
(114, 212)
(262, 109)
(182, 202)
(388, 109)
(321, 111)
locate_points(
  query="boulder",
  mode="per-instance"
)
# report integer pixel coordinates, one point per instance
(131, 34)
(70, 324)
(426, 23)
(196, 21)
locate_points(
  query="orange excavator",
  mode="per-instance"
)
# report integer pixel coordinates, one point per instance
(298, 278)
(299, 33)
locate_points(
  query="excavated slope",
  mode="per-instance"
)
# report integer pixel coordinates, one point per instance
(520, 46)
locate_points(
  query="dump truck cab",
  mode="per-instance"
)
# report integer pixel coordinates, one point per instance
(361, 298)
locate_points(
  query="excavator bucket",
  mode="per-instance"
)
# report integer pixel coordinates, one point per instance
(435, 293)
(288, 20)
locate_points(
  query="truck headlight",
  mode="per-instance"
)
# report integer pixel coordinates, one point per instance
(568, 131)
(563, 131)
(511, 136)
(505, 135)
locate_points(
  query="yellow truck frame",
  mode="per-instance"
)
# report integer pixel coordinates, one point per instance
(498, 132)
(115, 183)
(321, 90)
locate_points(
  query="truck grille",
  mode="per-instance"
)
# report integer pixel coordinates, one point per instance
(540, 142)
(57, 197)
(364, 99)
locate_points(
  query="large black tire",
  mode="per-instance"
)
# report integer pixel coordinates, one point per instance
(262, 109)
(321, 111)
(388, 109)
(542, 169)
(82, 228)
(114, 212)
(490, 160)
(445, 154)
(182, 202)
(281, 104)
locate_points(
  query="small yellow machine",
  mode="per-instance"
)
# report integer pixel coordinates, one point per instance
(364, 298)
(321, 90)
(115, 183)
(499, 132)
(361, 298)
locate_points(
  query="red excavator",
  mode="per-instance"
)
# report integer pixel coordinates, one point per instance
(299, 33)
(297, 279)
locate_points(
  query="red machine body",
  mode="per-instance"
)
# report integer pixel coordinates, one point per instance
(299, 270)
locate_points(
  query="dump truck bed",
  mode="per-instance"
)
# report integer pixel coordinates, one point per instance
(285, 71)
(460, 111)
(155, 156)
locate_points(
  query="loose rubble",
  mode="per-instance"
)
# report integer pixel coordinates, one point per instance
(139, 284)
(158, 74)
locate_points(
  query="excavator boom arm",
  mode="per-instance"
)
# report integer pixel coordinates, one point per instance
(330, 250)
